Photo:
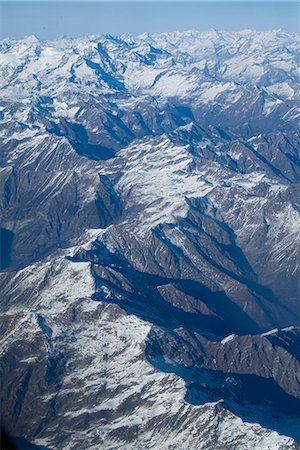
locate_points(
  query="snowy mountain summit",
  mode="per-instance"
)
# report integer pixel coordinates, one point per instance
(150, 231)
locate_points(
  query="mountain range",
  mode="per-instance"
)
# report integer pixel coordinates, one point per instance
(150, 231)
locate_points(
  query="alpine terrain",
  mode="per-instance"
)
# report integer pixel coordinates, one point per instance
(150, 240)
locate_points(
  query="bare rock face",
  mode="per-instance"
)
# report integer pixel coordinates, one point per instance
(149, 197)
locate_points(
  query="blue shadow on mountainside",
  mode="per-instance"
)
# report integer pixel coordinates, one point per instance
(252, 398)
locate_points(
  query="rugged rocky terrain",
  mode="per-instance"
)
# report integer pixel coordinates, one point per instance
(149, 193)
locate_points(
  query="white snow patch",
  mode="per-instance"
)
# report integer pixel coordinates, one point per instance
(228, 338)
(269, 333)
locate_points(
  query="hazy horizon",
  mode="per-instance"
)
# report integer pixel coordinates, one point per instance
(50, 20)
